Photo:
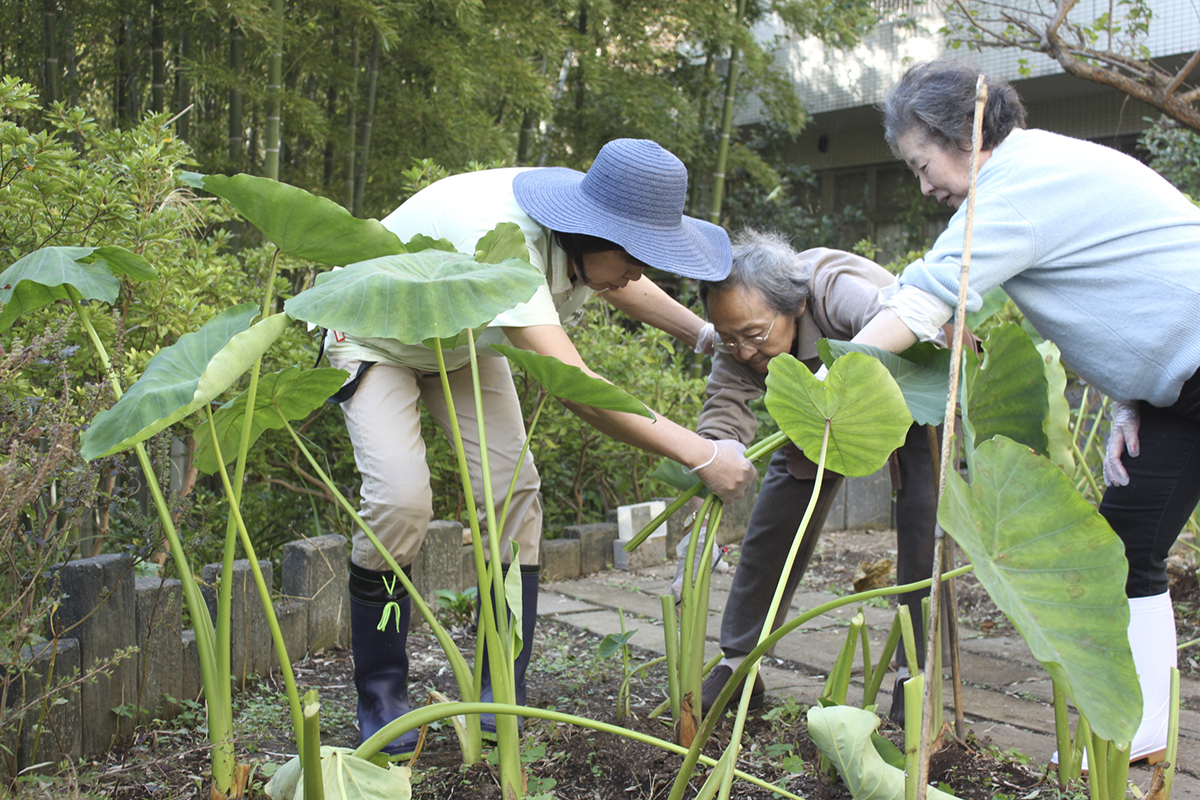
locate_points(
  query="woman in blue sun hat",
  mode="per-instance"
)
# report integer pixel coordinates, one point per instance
(589, 233)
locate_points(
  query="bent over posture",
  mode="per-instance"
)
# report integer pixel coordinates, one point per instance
(776, 301)
(589, 233)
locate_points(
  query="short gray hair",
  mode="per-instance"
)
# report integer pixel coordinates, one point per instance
(766, 263)
(937, 98)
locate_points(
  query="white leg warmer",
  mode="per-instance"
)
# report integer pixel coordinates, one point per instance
(1152, 639)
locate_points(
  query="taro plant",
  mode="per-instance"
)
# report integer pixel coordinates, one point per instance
(1044, 555)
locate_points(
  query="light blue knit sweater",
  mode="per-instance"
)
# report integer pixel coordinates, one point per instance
(1098, 251)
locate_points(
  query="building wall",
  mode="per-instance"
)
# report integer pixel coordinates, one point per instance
(843, 142)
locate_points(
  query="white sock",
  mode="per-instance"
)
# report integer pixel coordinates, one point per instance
(733, 662)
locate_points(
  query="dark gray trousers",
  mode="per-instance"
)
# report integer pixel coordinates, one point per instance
(781, 502)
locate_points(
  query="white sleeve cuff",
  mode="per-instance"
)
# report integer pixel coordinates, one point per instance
(922, 312)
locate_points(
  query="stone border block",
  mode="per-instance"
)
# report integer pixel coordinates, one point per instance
(250, 645)
(49, 663)
(869, 501)
(439, 558)
(595, 545)
(98, 598)
(649, 553)
(560, 559)
(160, 643)
(317, 570)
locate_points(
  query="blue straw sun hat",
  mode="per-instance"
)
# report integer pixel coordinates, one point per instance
(632, 195)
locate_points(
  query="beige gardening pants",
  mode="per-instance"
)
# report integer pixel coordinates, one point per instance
(385, 428)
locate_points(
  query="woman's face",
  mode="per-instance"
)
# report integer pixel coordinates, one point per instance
(609, 269)
(743, 318)
(944, 174)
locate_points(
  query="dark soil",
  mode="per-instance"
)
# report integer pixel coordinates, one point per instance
(171, 760)
(562, 761)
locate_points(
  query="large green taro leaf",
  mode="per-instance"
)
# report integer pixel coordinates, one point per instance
(415, 296)
(42, 277)
(1055, 567)
(570, 383)
(843, 734)
(289, 394)
(1007, 395)
(993, 301)
(183, 377)
(298, 223)
(866, 410)
(506, 240)
(676, 475)
(345, 777)
(1057, 424)
(922, 372)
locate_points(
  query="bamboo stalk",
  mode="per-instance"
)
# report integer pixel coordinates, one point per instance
(939, 535)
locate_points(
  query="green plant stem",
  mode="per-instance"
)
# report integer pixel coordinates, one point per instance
(493, 616)
(871, 687)
(512, 484)
(1087, 473)
(310, 761)
(220, 714)
(671, 648)
(693, 617)
(264, 593)
(1069, 751)
(1172, 736)
(710, 721)
(739, 725)
(914, 691)
(224, 624)
(754, 452)
(432, 713)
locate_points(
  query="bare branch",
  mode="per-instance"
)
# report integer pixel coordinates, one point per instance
(989, 24)
(1183, 73)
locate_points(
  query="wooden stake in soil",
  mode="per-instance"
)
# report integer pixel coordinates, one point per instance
(939, 536)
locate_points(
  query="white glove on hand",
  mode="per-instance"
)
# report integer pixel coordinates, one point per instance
(706, 339)
(728, 474)
(1122, 438)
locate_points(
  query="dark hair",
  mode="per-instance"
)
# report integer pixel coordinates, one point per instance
(767, 264)
(578, 245)
(938, 98)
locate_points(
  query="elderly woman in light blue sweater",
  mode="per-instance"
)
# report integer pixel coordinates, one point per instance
(1103, 257)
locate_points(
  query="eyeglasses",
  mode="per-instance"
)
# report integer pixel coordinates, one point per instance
(750, 342)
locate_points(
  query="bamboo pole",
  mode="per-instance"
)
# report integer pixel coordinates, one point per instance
(939, 547)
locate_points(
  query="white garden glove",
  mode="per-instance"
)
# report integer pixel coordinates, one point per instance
(728, 474)
(706, 339)
(1122, 438)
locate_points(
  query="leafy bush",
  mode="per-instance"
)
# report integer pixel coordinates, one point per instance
(1174, 154)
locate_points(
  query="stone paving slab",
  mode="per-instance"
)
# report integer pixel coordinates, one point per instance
(1006, 697)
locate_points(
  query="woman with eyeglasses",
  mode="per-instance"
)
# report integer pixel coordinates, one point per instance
(776, 300)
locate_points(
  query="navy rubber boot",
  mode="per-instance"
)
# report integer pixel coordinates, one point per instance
(380, 612)
(529, 616)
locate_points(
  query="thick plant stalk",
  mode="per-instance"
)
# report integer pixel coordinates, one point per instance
(310, 761)
(939, 536)
(754, 452)
(735, 741)
(220, 714)
(264, 593)
(710, 722)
